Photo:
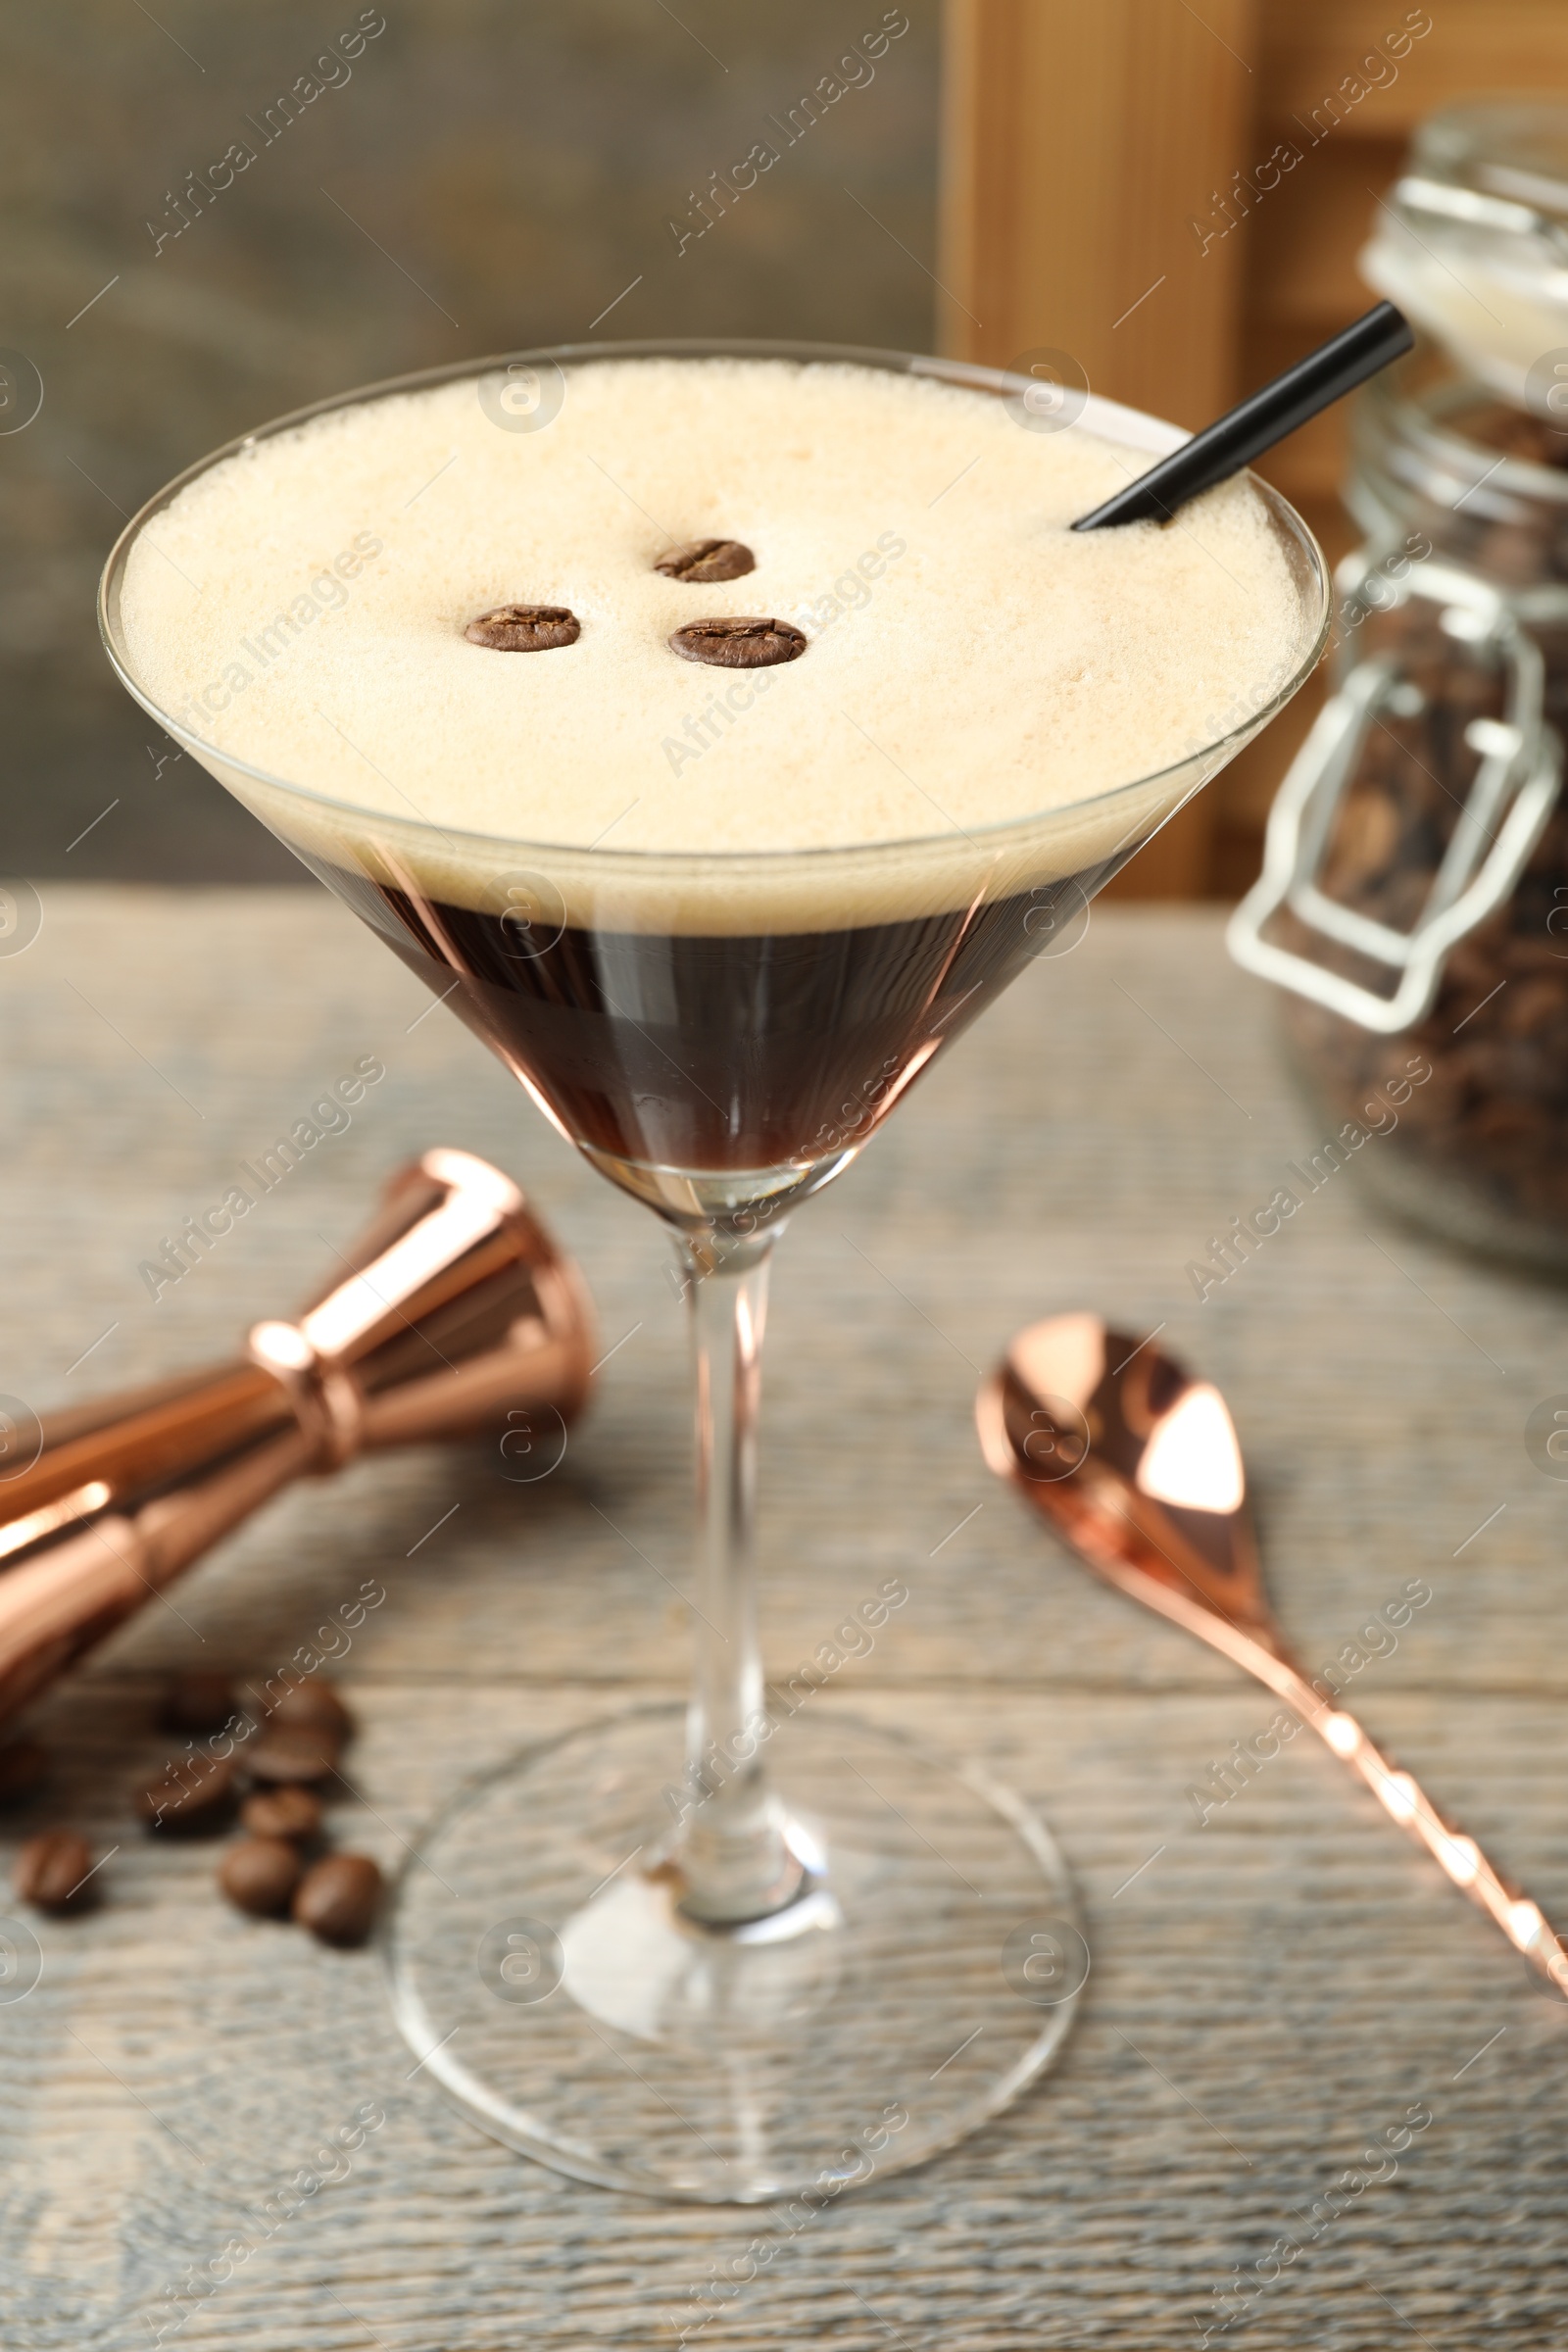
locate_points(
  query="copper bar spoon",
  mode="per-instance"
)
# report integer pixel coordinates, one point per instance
(1137, 1466)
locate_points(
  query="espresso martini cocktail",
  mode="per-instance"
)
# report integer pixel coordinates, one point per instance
(717, 731)
(946, 660)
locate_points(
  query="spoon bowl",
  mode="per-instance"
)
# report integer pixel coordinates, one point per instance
(1135, 1464)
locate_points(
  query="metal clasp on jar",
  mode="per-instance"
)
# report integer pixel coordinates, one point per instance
(1509, 801)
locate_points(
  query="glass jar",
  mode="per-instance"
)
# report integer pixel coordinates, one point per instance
(1414, 900)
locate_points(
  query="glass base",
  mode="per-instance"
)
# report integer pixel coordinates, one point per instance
(927, 1971)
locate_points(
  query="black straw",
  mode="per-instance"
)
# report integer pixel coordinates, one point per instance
(1265, 417)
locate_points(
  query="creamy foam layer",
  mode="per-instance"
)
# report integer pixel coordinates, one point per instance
(971, 663)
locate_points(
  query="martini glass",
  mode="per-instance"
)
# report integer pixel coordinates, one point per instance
(751, 1948)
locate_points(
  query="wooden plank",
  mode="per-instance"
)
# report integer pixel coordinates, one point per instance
(1077, 143)
(1270, 1989)
(1304, 239)
(1306, 53)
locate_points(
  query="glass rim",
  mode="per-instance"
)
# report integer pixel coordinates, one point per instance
(1098, 411)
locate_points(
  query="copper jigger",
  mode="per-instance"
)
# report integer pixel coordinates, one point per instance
(454, 1314)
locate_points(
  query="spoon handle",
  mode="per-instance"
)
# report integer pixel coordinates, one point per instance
(1399, 1792)
(1406, 1801)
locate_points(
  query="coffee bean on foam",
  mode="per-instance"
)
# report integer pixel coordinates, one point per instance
(739, 643)
(524, 628)
(703, 561)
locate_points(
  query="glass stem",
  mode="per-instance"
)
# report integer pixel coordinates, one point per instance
(732, 1854)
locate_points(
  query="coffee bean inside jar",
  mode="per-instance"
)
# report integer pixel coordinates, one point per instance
(1450, 480)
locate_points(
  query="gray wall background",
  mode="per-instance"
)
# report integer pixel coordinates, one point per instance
(486, 174)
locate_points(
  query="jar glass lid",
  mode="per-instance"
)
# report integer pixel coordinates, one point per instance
(1473, 244)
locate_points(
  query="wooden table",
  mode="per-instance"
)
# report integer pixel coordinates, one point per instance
(1269, 1990)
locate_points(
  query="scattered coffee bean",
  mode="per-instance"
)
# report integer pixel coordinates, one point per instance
(702, 561)
(282, 1812)
(291, 1755)
(312, 1705)
(524, 628)
(194, 1800)
(739, 643)
(23, 1767)
(337, 1898)
(52, 1871)
(198, 1702)
(261, 1876)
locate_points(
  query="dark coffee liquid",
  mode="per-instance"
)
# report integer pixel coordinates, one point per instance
(712, 1053)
